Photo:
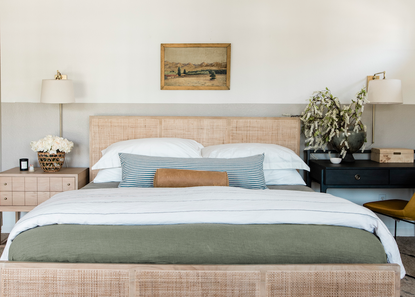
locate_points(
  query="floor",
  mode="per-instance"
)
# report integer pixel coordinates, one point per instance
(3, 240)
(407, 249)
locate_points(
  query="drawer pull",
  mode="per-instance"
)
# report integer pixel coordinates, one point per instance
(357, 177)
(5, 198)
(5, 184)
(68, 184)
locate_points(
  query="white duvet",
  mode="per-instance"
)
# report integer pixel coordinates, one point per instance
(224, 205)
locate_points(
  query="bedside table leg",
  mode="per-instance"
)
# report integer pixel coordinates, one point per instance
(2, 240)
(323, 187)
(17, 216)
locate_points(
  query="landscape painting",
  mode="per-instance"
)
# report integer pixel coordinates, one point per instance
(195, 66)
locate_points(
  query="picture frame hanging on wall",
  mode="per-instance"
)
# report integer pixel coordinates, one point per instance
(195, 66)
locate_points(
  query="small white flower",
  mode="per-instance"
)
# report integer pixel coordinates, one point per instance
(52, 145)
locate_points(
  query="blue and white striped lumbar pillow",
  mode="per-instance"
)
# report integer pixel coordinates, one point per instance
(139, 170)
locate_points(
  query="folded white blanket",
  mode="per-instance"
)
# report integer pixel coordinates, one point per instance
(222, 205)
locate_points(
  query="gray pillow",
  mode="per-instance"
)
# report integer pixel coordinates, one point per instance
(139, 170)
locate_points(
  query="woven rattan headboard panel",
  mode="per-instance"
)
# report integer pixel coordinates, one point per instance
(105, 130)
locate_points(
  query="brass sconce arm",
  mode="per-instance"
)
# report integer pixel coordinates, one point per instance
(373, 77)
(383, 72)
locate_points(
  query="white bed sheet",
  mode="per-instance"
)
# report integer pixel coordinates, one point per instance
(222, 205)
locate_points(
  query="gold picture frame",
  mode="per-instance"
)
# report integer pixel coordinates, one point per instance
(195, 66)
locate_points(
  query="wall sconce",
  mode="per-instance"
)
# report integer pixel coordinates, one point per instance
(59, 90)
(382, 91)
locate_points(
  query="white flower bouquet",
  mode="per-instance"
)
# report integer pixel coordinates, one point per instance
(52, 145)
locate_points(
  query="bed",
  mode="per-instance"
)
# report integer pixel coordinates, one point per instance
(222, 277)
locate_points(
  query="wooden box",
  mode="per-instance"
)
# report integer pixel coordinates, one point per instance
(392, 155)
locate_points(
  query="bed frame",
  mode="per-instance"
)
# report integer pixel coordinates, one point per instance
(83, 279)
(106, 130)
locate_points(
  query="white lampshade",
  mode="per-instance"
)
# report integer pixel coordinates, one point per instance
(57, 91)
(385, 91)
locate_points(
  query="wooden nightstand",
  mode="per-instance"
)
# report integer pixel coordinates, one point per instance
(21, 191)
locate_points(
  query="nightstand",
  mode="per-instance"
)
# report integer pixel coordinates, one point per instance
(21, 191)
(361, 174)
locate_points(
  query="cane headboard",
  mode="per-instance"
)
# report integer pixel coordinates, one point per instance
(106, 130)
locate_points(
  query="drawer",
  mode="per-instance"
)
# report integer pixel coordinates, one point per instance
(18, 184)
(18, 198)
(5, 184)
(6, 198)
(55, 184)
(405, 177)
(357, 177)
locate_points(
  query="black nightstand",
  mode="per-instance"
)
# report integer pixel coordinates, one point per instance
(361, 174)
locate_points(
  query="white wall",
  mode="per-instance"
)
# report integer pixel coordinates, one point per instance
(282, 51)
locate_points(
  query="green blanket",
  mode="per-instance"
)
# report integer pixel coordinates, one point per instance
(198, 244)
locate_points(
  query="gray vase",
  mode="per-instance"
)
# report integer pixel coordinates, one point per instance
(355, 139)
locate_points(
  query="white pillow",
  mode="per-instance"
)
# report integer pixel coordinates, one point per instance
(157, 147)
(283, 177)
(272, 176)
(276, 156)
(109, 175)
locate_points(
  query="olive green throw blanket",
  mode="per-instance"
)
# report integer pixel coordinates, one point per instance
(198, 244)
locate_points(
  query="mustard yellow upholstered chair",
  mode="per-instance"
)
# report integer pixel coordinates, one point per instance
(399, 210)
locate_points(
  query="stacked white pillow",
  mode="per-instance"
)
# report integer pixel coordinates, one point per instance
(110, 166)
(280, 163)
(276, 156)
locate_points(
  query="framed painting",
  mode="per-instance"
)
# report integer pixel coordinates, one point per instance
(195, 66)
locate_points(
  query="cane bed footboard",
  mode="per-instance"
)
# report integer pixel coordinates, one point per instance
(57, 279)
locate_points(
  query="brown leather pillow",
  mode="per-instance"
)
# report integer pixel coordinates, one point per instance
(177, 178)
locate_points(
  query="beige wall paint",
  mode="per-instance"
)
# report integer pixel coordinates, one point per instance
(282, 50)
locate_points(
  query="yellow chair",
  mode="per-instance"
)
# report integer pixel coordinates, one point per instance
(399, 210)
